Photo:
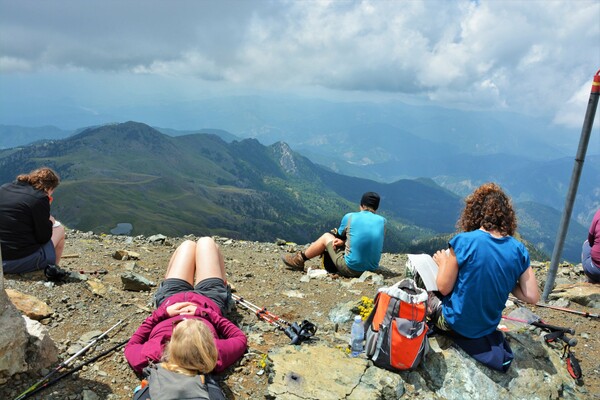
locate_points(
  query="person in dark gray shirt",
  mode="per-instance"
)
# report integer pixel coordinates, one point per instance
(30, 238)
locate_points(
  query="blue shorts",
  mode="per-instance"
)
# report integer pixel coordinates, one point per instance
(213, 288)
(34, 262)
(591, 270)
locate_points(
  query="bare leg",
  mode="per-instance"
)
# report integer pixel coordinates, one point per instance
(58, 240)
(317, 247)
(183, 262)
(209, 260)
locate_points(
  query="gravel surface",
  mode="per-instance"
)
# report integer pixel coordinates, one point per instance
(257, 274)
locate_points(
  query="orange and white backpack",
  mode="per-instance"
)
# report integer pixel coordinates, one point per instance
(396, 330)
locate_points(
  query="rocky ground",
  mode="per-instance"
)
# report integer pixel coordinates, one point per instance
(258, 275)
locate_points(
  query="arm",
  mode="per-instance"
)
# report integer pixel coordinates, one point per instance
(231, 343)
(527, 288)
(139, 349)
(448, 270)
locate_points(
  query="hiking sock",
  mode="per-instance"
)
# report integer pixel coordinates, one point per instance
(303, 256)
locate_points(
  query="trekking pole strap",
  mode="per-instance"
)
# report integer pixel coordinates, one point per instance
(297, 333)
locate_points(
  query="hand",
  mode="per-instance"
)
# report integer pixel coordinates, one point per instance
(183, 308)
(440, 257)
(338, 242)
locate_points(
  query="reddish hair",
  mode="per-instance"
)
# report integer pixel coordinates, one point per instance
(42, 179)
(488, 207)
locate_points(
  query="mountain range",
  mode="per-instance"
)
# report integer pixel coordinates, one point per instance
(385, 141)
(200, 183)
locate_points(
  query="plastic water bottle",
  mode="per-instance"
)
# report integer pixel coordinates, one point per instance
(357, 337)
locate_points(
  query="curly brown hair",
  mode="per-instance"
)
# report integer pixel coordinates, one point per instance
(488, 207)
(42, 179)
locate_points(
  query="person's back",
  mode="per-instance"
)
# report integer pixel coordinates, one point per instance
(489, 269)
(24, 219)
(364, 235)
(481, 266)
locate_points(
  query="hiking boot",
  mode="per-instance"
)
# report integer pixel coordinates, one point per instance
(54, 273)
(295, 262)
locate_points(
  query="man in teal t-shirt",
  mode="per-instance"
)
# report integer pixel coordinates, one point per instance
(355, 247)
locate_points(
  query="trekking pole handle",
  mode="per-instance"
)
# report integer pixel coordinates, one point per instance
(553, 328)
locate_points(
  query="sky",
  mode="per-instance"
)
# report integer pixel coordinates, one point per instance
(532, 57)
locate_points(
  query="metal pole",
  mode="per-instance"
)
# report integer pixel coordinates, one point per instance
(586, 130)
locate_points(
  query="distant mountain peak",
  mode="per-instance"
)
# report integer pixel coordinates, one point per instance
(285, 157)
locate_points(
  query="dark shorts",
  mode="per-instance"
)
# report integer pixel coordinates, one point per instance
(34, 262)
(213, 288)
(337, 256)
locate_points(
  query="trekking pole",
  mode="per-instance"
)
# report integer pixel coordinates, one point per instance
(65, 363)
(296, 332)
(557, 333)
(569, 310)
(77, 368)
(94, 272)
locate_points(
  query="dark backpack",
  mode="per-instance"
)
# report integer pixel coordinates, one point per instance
(162, 384)
(396, 331)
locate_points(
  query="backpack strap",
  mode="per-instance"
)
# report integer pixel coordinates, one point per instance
(142, 392)
(369, 319)
(393, 304)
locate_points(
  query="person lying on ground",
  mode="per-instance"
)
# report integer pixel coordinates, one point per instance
(590, 252)
(188, 359)
(30, 237)
(177, 299)
(355, 247)
(481, 267)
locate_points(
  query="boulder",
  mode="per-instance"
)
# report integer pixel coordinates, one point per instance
(42, 351)
(12, 341)
(324, 372)
(135, 282)
(29, 305)
(583, 293)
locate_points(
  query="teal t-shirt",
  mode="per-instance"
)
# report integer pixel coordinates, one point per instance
(364, 239)
(488, 270)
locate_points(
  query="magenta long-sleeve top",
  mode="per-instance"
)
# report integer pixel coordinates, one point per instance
(149, 340)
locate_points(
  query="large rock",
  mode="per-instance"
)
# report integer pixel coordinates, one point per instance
(31, 306)
(586, 294)
(12, 341)
(42, 351)
(323, 372)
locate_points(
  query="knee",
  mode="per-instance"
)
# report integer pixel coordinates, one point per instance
(188, 245)
(206, 241)
(327, 237)
(60, 232)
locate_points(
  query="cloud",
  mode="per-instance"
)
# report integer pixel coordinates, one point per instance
(530, 56)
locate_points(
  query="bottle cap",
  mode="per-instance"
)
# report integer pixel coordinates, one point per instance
(358, 318)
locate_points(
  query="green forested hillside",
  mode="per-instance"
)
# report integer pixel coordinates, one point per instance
(202, 185)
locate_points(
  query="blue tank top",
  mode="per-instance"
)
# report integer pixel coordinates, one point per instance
(488, 271)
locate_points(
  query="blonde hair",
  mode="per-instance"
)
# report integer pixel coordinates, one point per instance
(192, 349)
(41, 179)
